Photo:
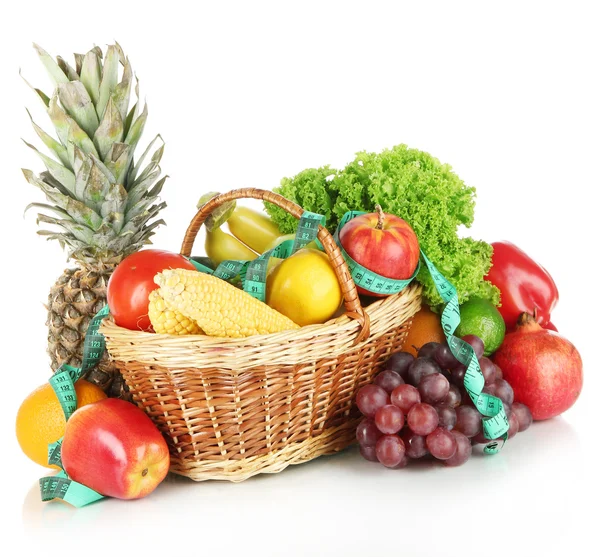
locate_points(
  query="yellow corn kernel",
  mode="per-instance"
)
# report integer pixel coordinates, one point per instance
(167, 321)
(220, 309)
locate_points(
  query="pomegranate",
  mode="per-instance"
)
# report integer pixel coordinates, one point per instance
(543, 368)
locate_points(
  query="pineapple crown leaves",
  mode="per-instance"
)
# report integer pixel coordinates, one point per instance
(104, 203)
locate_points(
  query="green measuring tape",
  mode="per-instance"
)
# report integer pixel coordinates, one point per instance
(63, 383)
(495, 422)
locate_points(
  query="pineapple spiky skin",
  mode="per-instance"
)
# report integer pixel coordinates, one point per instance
(101, 202)
(74, 299)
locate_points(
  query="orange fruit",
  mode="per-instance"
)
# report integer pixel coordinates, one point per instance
(41, 421)
(426, 327)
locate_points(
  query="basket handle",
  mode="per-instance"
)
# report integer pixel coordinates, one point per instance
(352, 304)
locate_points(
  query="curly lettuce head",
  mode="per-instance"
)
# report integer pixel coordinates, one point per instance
(414, 186)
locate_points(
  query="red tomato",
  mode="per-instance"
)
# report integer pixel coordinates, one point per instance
(133, 280)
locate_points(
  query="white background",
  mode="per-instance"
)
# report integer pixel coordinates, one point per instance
(247, 93)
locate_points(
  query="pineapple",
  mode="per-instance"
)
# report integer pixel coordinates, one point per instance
(103, 203)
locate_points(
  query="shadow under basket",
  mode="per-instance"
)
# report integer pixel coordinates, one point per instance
(233, 408)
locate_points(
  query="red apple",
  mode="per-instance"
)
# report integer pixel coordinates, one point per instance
(114, 448)
(382, 243)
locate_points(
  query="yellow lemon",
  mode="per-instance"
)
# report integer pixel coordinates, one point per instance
(304, 288)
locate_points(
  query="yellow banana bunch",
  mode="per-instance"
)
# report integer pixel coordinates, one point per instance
(251, 234)
(220, 246)
(253, 228)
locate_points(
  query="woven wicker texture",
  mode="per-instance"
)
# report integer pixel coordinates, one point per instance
(233, 408)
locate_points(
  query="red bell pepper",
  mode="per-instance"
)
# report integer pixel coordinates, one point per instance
(523, 283)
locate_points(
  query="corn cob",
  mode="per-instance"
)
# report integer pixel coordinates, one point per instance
(167, 321)
(220, 309)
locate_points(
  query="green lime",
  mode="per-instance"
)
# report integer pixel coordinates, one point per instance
(481, 318)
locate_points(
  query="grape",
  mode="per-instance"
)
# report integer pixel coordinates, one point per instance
(458, 375)
(419, 406)
(446, 374)
(441, 443)
(403, 463)
(420, 368)
(499, 374)
(444, 357)
(371, 398)
(388, 380)
(390, 450)
(476, 343)
(405, 397)
(513, 424)
(523, 415)
(478, 439)
(389, 419)
(504, 391)
(488, 368)
(434, 388)
(367, 432)
(453, 397)
(446, 415)
(468, 420)
(422, 419)
(414, 444)
(481, 439)
(399, 362)
(466, 400)
(463, 450)
(428, 350)
(368, 453)
(490, 389)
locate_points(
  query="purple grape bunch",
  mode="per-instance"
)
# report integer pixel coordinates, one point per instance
(418, 407)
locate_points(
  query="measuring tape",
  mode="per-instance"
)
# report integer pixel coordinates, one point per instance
(61, 487)
(495, 422)
(63, 383)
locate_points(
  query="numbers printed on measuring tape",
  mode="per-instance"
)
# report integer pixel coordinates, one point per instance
(61, 487)
(54, 456)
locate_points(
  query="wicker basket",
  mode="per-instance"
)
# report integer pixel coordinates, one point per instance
(233, 408)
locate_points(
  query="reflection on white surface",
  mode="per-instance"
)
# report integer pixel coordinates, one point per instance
(333, 492)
